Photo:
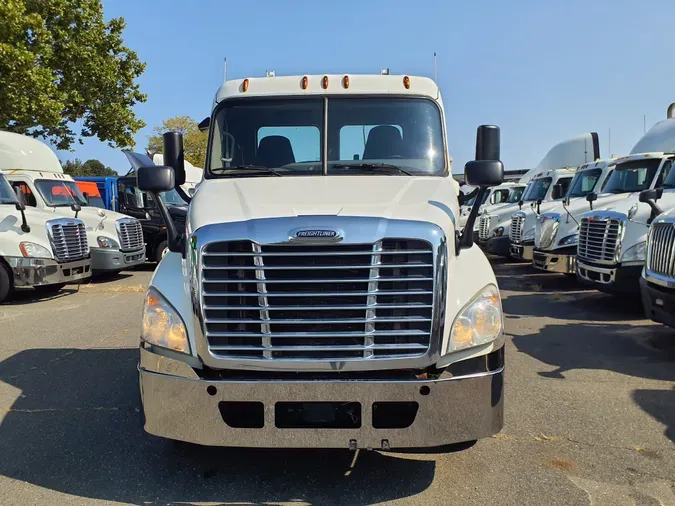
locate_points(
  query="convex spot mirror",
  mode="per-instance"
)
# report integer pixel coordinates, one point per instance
(158, 178)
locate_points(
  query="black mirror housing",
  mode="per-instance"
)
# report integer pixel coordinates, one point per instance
(484, 173)
(156, 179)
(653, 194)
(592, 197)
(20, 206)
(174, 155)
(204, 124)
(488, 143)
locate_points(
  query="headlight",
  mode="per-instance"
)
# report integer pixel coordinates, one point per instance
(107, 242)
(568, 240)
(635, 253)
(480, 322)
(632, 211)
(499, 231)
(32, 250)
(529, 234)
(162, 325)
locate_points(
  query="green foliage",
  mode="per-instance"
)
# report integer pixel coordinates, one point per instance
(89, 168)
(194, 141)
(61, 67)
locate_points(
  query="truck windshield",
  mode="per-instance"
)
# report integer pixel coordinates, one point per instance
(60, 193)
(284, 137)
(7, 195)
(633, 176)
(584, 182)
(538, 189)
(515, 195)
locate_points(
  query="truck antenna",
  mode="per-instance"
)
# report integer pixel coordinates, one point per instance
(224, 70)
(435, 69)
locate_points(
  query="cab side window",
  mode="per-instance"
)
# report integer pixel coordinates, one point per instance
(667, 166)
(28, 197)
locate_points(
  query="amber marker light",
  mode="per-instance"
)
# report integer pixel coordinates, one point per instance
(324, 82)
(244, 85)
(406, 82)
(345, 82)
(304, 83)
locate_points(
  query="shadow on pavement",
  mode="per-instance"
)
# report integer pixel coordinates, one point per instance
(75, 428)
(642, 351)
(660, 404)
(25, 296)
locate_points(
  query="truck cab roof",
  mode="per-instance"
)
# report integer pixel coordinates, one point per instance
(20, 152)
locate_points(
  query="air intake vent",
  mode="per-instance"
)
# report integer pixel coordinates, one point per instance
(598, 240)
(130, 233)
(68, 238)
(661, 253)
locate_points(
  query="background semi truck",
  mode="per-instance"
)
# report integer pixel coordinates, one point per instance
(319, 295)
(612, 238)
(495, 225)
(115, 240)
(38, 249)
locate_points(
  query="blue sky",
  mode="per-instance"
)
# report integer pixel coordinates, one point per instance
(542, 71)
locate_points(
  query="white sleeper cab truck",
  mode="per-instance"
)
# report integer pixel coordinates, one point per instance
(546, 190)
(495, 225)
(38, 249)
(320, 295)
(115, 240)
(612, 238)
(502, 195)
(557, 231)
(657, 283)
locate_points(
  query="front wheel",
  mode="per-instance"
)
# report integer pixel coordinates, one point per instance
(161, 250)
(5, 283)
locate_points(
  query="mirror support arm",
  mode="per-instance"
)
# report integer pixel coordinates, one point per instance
(176, 240)
(465, 239)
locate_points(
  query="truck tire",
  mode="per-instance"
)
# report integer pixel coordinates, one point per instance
(160, 251)
(5, 283)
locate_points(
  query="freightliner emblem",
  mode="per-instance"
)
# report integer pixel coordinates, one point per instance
(321, 234)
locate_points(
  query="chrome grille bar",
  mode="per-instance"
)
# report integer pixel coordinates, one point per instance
(484, 227)
(130, 234)
(516, 229)
(599, 240)
(661, 252)
(317, 302)
(68, 238)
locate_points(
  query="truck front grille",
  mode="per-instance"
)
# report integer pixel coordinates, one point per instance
(661, 252)
(599, 239)
(484, 227)
(130, 233)
(69, 239)
(516, 230)
(318, 302)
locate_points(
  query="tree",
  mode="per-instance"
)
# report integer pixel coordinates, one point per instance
(60, 63)
(89, 168)
(194, 141)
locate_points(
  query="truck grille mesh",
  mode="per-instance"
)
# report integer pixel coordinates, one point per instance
(484, 227)
(130, 234)
(661, 252)
(69, 240)
(312, 302)
(598, 240)
(516, 230)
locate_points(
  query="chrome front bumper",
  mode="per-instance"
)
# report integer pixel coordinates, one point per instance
(42, 271)
(554, 262)
(521, 252)
(179, 405)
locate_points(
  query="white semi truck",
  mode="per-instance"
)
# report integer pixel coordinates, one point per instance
(115, 240)
(38, 249)
(320, 294)
(612, 238)
(505, 193)
(495, 226)
(557, 230)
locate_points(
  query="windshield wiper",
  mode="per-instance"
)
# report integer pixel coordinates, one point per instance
(248, 167)
(370, 166)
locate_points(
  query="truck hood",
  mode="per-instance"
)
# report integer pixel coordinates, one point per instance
(10, 229)
(430, 199)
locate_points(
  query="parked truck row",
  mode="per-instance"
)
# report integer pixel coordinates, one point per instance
(611, 224)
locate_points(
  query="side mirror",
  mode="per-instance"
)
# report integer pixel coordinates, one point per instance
(77, 208)
(21, 207)
(654, 194)
(520, 204)
(591, 197)
(204, 124)
(86, 196)
(485, 171)
(650, 197)
(174, 155)
(156, 179)
(557, 192)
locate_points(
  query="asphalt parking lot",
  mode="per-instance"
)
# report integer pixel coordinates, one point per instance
(589, 414)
